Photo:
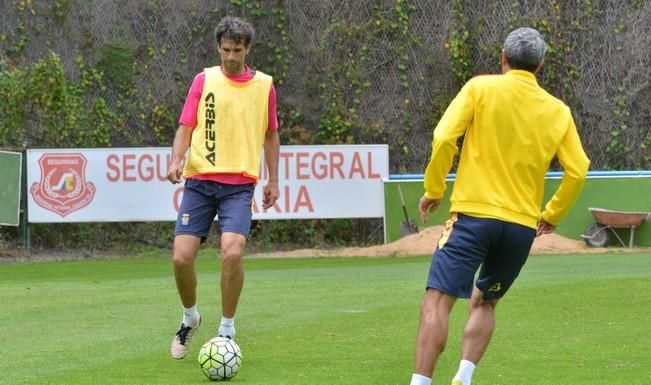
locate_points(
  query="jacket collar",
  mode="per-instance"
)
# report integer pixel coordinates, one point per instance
(523, 75)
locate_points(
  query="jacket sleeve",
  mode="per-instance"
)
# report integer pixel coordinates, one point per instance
(451, 127)
(575, 164)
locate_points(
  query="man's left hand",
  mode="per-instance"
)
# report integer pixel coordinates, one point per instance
(270, 194)
(427, 205)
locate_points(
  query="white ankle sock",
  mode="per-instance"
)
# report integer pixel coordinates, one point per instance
(465, 372)
(191, 316)
(227, 327)
(417, 379)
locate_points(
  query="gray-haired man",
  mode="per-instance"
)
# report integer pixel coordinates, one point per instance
(513, 129)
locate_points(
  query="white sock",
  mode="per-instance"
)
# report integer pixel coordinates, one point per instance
(465, 372)
(417, 379)
(191, 316)
(227, 327)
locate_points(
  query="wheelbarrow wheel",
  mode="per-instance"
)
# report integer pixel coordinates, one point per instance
(597, 235)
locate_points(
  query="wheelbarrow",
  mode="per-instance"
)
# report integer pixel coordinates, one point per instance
(598, 234)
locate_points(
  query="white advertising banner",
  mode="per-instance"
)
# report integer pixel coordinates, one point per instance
(129, 184)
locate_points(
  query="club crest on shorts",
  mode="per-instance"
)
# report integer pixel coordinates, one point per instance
(63, 187)
(185, 219)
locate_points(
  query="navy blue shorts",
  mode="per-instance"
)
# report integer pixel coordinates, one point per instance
(500, 248)
(203, 200)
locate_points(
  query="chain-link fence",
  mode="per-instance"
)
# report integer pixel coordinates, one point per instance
(388, 66)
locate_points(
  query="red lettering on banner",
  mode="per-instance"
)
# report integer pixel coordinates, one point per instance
(336, 161)
(128, 166)
(320, 171)
(110, 160)
(303, 200)
(288, 202)
(371, 175)
(149, 174)
(356, 167)
(132, 167)
(301, 165)
(286, 199)
(304, 165)
(163, 176)
(176, 199)
(276, 207)
(284, 156)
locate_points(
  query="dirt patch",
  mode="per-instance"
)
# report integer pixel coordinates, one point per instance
(424, 243)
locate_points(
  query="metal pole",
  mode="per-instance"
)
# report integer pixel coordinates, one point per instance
(24, 225)
(265, 237)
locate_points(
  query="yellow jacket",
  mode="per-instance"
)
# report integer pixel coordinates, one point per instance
(513, 129)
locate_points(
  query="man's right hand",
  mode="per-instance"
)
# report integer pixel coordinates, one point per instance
(175, 171)
(544, 228)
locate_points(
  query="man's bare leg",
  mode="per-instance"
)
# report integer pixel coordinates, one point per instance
(476, 335)
(479, 327)
(232, 279)
(183, 256)
(433, 330)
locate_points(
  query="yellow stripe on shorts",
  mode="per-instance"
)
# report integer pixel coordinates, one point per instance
(445, 234)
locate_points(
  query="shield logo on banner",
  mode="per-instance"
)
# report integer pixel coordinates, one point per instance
(63, 187)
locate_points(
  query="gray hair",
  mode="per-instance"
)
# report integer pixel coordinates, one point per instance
(524, 49)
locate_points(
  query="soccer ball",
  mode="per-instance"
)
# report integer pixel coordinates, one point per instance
(220, 359)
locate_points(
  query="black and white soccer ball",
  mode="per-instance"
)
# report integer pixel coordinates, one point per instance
(220, 359)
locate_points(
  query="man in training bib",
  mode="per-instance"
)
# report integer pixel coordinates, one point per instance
(229, 116)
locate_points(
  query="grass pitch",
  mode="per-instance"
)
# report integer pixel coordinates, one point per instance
(571, 319)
